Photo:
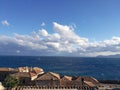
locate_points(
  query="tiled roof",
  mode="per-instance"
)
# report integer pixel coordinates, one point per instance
(32, 74)
(55, 74)
(67, 77)
(49, 76)
(8, 69)
(95, 80)
(37, 70)
(21, 74)
(90, 79)
(4, 69)
(75, 78)
(89, 83)
(78, 78)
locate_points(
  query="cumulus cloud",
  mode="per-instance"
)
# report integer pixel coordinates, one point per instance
(5, 23)
(43, 32)
(64, 41)
(68, 34)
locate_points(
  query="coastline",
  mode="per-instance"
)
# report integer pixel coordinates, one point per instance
(72, 66)
(35, 78)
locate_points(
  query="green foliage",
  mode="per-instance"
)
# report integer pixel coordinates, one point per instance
(10, 81)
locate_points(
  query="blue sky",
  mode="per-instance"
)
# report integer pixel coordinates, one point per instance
(98, 21)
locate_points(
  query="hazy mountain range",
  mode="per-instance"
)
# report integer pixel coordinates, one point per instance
(110, 56)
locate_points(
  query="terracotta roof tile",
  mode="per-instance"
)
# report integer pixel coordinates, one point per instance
(8, 69)
(4, 69)
(49, 76)
(37, 70)
(21, 74)
(67, 77)
(32, 74)
(55, 74)
(89, 83)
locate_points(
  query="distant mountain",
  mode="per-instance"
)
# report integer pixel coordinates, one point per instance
(110, 56)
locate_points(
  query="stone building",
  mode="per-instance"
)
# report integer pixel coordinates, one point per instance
(38, 71)
(26, 75)
(23, 72)
(36, 77)
(48, 79)
(33, 76)
(51, 79)
(65, 81)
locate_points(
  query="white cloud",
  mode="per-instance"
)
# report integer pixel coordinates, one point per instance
(68, 34)
(64, 41)
(5, 23)
(43, 32)
(53, 45)
(42, 24)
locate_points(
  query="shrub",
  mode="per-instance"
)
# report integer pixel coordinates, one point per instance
(10, 81)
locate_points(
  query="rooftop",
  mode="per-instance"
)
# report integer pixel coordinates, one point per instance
(8, 69)
(49, 76)
(89, 83)
(67, 77)
(21, 74)
(38, 70)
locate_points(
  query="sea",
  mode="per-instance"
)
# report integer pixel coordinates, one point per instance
(99, 68)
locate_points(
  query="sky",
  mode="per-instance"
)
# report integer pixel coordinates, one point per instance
(60, 27)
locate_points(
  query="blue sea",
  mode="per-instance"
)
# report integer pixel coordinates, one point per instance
(100, 68)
